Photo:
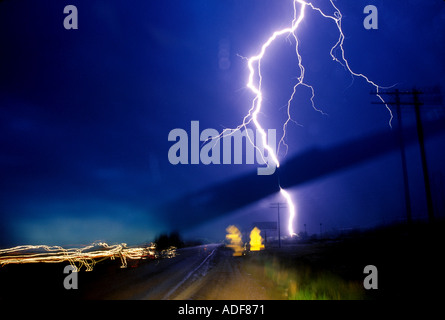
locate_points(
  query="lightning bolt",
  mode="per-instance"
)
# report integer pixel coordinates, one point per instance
(292, 211)
(255, 81)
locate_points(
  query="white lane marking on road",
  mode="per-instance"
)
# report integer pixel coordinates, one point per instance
(188, 276)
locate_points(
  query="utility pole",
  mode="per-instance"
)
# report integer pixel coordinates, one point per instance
(426, 176)
(397, 103)
(278, 206)
(416, 103)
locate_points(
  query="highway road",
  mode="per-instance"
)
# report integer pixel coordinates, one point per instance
(205, 272)
(201, 272)
(329, 269)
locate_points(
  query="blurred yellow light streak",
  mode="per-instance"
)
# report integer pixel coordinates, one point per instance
(86, 256)
(236, 242)
(256, 241)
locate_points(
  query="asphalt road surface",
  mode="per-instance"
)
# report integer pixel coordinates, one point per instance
(202, 272)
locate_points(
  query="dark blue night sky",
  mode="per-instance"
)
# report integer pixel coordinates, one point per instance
(85, 114)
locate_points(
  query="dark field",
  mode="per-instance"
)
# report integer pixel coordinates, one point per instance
(408, 259)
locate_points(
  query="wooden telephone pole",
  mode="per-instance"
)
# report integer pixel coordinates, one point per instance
(278, 206)
(417, 104)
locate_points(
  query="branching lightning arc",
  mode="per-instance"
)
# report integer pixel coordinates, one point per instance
(255, 80)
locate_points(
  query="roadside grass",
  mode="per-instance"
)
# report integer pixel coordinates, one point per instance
(300, 283)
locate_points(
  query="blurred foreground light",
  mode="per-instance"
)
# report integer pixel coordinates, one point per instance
(86, 256)
(256, 241)
(236, 242)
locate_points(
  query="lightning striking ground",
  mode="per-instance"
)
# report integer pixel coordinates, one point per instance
(255, 81)
(292, 211)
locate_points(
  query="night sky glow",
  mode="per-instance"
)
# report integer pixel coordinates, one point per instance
(85, 114)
